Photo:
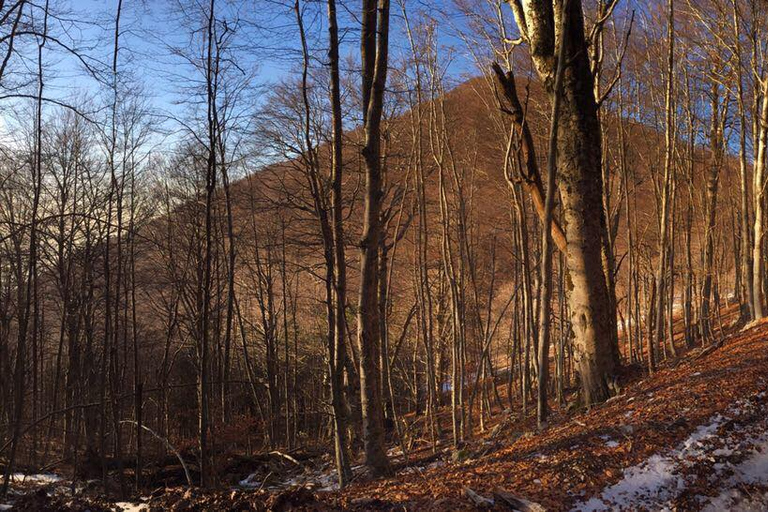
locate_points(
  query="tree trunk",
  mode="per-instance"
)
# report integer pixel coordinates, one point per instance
(713, 177)
(758, 262)
(581, 187)
(668, 171)
(374, 48)
(579, 166)
(542, 408)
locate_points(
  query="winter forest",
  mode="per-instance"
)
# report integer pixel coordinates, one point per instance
(383, 255)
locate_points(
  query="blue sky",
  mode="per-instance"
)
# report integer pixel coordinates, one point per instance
(266, 44)
(150, 28)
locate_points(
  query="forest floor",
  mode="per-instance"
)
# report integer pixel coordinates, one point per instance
(693, 436)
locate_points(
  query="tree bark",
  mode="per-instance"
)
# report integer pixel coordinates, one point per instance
(374, 48)
(668, 171)
(542, 409)
(713, 181)
(759, 177)
(581, 187)
(337, 355)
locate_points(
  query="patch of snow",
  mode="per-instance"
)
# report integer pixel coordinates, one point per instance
(734, 500)
(322, 479)
(40, 478)
(754, 470)
(702, 432)
(656, 482)
(126, 506)
(609, 441)
(328, 482)
(642, 485)
(250, 482)
(5, 506)
(754, 323)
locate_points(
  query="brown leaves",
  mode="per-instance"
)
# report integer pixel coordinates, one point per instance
(583, 452)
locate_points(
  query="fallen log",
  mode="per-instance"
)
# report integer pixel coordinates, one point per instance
(516, 502)
(478, 500)
(286, 457)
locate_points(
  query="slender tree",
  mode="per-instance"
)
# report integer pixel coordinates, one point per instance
(374, 48)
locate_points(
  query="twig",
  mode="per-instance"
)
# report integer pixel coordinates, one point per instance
(167, 445)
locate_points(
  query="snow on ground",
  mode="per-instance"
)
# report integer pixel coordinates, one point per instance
(735, 500)
(610, 442)
(643, 485)
(730, 449)
(41, 478)
(126, 506)
(320, 479)
(752, 470)
(251, 482)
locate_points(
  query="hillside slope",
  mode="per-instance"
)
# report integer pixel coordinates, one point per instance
(693, 436)
(705, 402)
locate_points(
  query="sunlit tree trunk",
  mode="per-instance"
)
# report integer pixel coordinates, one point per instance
(579, 166)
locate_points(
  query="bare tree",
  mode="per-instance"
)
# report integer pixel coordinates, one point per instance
(579, 165)
(28, 284)
(374, 52)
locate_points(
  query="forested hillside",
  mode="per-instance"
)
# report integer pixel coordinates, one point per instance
(482, 255)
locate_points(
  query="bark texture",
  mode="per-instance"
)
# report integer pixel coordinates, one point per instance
(581, 187)
(374, 47)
